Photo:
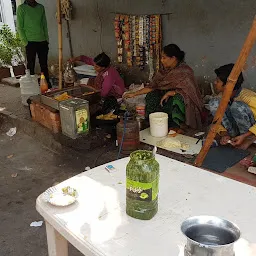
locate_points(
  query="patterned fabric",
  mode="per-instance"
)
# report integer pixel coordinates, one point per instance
(182, 80)
(248, 97)
(238, 118)
(174, 107)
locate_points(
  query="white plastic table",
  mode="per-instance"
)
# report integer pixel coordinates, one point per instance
(97, 224)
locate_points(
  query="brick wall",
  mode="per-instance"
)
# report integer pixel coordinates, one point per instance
(46, 116)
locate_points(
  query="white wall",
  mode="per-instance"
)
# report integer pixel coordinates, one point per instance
(211, 33)
(18, 2)
(6, 10)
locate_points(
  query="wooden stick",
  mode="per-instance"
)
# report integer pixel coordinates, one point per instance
(60, 42)
(70, 40)
(227, 93)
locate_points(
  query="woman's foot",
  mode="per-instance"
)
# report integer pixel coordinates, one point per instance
(247, 142)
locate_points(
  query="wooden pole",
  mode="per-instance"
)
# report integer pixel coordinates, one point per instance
(227, 93)
(60, 42)
(70, 40)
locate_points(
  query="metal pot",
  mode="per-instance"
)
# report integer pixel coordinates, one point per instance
(209, 236)
(69, 75)
(141, 122)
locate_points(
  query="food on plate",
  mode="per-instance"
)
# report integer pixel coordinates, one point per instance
(63, 96)
(110, 116)
(169, 143)
(172, 133)
(61, 199)
(69, 191)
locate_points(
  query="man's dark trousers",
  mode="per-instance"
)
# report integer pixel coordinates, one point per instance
(40, 49)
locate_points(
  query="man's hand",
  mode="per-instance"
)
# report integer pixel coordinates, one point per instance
(225, 140)
(166, 97)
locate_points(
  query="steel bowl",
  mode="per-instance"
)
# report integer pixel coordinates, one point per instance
(209, 235)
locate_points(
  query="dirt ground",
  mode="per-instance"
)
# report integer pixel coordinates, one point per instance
(37, 168)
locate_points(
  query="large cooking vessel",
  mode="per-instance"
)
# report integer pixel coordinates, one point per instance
(128, 134)
(81, 92)
(209, 236)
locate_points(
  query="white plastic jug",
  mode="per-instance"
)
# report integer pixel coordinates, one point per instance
(28, 87)
(158, 124)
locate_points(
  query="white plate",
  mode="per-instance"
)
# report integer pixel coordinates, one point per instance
(57, 197)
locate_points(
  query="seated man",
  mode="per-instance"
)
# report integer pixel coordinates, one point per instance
(238, 122)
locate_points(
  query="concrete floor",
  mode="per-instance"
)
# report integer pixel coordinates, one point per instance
(10, 99)
(37, 169)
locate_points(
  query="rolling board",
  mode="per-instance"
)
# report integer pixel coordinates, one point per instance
(194, 148)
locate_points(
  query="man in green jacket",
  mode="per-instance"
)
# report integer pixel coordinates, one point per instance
(33, 31)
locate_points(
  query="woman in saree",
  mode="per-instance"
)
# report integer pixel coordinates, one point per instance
(108, 81)
(174, 91)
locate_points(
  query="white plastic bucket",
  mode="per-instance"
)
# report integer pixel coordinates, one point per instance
(158, 124)
(28, 87)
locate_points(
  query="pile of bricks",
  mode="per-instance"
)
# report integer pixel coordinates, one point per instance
(46, 116)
